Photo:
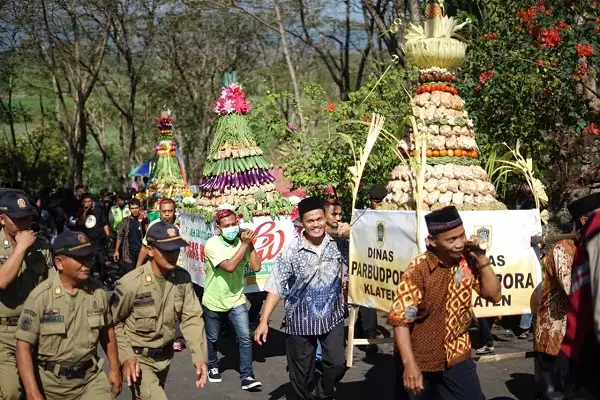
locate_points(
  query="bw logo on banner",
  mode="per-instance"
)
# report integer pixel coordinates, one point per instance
(485, 232)
(380, 233)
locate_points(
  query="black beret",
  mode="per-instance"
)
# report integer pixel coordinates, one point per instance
(309, 204)
(443, 220)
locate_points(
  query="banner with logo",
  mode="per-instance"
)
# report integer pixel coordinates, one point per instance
(272, 236)
(383, 243)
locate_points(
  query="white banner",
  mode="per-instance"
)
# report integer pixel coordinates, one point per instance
(383, 243)
(272, 236)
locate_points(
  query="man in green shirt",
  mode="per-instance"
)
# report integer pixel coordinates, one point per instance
(227, 256)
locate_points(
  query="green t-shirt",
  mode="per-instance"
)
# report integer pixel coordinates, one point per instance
(223, 290)
(162, 282)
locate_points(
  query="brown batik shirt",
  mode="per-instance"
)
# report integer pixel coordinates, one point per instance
(552, 312)
(434, 300)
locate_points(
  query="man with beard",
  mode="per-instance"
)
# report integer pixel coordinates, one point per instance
(91, 222)
(431, 313)
(64, 319)
(310, 272)
(24, 263)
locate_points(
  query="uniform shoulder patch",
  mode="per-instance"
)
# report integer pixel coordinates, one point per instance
(29, 312)
(180, 276)
(25, 323)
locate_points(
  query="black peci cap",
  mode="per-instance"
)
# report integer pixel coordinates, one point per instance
(583, 206)
(165, 236)
(442, 220)
(72, 244)
(15, 204)
(309, 204)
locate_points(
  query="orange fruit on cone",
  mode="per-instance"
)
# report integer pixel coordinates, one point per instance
(429, 153)
(475, 154)
(443, 153)
(450, 153)
(458, 153)
(436, 153)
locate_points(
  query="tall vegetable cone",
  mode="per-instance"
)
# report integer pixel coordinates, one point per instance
(167, 175)
(453, 174)
(236, 173)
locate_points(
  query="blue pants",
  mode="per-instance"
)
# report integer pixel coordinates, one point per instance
(238, 318)
(319, 355)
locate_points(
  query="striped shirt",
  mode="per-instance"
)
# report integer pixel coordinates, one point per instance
(311, 281)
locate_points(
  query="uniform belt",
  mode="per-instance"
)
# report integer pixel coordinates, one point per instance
(70, 371)
(10, 321)
(154, 352)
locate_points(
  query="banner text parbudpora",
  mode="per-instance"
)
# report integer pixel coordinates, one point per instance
(383, 244)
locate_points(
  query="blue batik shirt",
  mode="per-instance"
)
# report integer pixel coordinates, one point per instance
(312, 286)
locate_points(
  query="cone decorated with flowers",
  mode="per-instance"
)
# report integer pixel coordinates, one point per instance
(167, 173)
(453, 174)
(236, 173)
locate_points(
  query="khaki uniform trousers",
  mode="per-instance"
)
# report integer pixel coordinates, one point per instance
(94, 386)
(153, 377)
(10, 386)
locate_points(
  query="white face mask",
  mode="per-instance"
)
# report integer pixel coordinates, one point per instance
(230, 233)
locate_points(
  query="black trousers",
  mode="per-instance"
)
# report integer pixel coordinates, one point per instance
(544, 374)
(368, 322)
(301, 351)
(459, 382)
(256, 301)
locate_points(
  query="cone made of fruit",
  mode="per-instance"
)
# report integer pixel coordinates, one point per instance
(453, 174)
(236, 173)
(167, 177)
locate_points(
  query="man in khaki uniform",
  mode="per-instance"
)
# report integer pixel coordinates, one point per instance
(145, 306)
(24, 263)
(65, 317)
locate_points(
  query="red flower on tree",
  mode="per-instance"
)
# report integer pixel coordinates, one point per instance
(491, 36)
(551, 37)
(562, 25)
(331, 107)
(591, 129)
(486, 76)
(585, 50)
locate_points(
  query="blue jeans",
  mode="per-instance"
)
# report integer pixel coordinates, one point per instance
(319, 355)
(238, 318)
(525, 322)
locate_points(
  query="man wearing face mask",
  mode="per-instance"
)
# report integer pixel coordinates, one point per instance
(24, 263)
(227, 256)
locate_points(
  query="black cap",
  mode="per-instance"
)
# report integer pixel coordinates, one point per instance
(72, 244)
(442, 220)
(122, 196)
(165, 236)
(15, 204)
(377, 192)
(583, 206)
(309, 204)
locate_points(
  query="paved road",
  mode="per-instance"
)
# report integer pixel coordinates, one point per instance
(370, 377)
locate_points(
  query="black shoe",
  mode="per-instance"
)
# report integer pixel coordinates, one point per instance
(214, 376)
(250, 383)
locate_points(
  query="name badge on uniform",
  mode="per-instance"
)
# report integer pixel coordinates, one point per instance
(143, 299)
(51, 315)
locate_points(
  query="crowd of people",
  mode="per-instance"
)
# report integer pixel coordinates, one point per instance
(62, 254)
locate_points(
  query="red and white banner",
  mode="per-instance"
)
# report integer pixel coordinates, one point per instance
(272, 236)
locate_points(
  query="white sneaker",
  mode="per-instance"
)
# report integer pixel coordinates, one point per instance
(214, 376)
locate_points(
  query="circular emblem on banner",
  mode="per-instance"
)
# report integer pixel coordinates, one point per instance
(21, 203)
(380, 238)
(90, 222)
(81, 238)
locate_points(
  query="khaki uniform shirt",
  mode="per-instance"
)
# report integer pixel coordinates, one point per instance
(145, 315)
(65, 328)
(34, 270)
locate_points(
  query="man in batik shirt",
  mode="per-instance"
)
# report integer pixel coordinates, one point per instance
(552, 312)
(431, 313)
(313, 269)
